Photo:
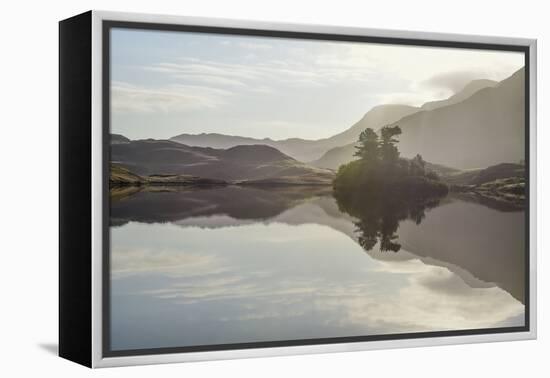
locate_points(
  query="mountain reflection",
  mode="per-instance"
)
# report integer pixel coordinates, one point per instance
(481, 244)
(170, 204)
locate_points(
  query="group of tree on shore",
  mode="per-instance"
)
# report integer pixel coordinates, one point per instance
(380, 169)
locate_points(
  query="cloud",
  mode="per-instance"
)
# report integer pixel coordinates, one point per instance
(453, 81)
(255, 46)
(303, 72)
(246, 43)
(415, 75)
(328, 83)
(411, 98)
(173, 98)
(188, 67)
(215, 80)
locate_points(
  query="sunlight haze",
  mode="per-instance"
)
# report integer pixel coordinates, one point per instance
(167, 83)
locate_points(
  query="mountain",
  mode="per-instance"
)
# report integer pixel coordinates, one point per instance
(335, 157)
(218, 140)
(484, 129)
(118, 139)
(375, 118)
(302, 149)
(470, 88)
(249, 162)
(311, 150)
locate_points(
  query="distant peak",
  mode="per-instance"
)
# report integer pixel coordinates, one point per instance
(468, 90)
(253, 147)
(388, 112)
(260, 152)
(387, 107)
(478, 84)
(518, 74)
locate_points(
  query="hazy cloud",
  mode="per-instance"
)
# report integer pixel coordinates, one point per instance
(128, 98)
(276, 74)
(453, 81)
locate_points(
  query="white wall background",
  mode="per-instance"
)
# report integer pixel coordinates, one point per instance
(28, 152)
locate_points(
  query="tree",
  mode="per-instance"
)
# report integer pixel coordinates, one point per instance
(417, 166)
(368, 149)
(388, 149)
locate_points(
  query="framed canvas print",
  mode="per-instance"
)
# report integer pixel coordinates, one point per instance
(234, 189)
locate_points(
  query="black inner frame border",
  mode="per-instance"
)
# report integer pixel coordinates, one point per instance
(107, 25)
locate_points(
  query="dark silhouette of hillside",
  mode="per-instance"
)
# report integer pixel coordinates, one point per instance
(251, 162)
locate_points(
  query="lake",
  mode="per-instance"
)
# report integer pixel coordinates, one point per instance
(237, 264)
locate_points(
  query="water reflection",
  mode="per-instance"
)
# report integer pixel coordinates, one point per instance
(236, 264)
(379, 217)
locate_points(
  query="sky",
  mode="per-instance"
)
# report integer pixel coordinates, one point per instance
(167, 83)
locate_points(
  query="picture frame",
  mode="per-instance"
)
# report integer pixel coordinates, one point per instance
(85, 152)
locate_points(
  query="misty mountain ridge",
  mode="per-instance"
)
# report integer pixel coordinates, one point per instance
(485, 129)
(216, 140)
(312, 150)
(445, 131)
(375, 118)
(303, 149)
(468, 90)
(481, 130)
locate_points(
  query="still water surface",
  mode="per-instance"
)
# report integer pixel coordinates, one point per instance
(232, 265)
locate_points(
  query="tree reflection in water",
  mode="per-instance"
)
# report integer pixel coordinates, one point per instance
(379, 216)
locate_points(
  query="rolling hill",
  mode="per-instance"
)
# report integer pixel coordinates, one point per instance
(240, 163)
